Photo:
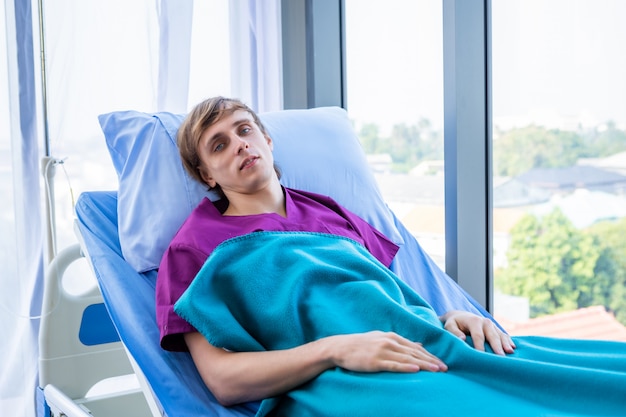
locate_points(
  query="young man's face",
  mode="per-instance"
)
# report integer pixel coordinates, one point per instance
(235, 154)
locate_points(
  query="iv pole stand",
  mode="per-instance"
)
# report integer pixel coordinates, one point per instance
(48, 163)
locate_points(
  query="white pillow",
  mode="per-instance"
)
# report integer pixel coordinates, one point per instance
(316, 149)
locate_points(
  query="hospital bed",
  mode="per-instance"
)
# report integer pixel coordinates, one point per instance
(110, 333)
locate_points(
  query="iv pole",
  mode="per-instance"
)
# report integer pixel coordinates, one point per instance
(48, 163)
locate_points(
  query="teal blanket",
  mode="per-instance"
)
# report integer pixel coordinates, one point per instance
(276, 290)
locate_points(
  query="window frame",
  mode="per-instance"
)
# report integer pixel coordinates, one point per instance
(467, 115)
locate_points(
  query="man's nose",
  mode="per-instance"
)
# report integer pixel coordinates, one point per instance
(241, 145)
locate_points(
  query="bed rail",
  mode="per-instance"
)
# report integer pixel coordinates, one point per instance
(84, 369)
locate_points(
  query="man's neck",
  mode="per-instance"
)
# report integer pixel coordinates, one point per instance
(268, 200)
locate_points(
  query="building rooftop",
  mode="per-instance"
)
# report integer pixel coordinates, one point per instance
(585, 323)
(615, 162)
(570, 178)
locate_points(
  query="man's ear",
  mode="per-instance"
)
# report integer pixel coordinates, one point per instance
(206, 177)
(270, 142)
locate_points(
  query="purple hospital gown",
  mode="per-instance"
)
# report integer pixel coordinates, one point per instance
(206, 228)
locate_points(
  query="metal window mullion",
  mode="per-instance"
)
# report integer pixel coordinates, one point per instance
(467, 149)
(313, 53)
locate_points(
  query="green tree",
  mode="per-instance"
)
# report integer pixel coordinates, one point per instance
(405, 145)
(519, 150)
(370, 139)
(408, 145)
(610, 270)
(607, 142)
(550, 262)
(514, 151)
(431, 141)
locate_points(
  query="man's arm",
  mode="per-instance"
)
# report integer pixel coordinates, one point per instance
(236, 377)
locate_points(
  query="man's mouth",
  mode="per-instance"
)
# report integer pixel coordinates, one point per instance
(247, 162)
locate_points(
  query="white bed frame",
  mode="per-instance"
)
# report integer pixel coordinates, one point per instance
(78, 379)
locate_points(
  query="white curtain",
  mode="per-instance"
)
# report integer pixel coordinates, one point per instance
(22, 242)
(257, 57)
(175, 17)
(101, 57)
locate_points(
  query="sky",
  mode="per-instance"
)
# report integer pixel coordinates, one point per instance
(560, 58)
(554, 61)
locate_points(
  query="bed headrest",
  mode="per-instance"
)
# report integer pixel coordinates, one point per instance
(317, 150)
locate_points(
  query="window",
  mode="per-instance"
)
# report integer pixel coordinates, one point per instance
(395, 97)
(559, 166)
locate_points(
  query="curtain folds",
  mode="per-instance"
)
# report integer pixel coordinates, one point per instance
(22, 284)
(256, 53)
(102, 56)
(175, 17)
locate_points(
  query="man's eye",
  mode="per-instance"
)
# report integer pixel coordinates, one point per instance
(245, 130)
(219, 147)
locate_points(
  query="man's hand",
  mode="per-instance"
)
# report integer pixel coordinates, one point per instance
(382, 351)
(480, 329)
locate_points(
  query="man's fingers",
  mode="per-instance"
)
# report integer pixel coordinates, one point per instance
(494, 338)
(500, 342)
(414, 354)
(414, 358)
(507, 343)
(453, 327)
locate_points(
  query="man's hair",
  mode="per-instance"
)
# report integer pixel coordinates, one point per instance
(201, 117)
